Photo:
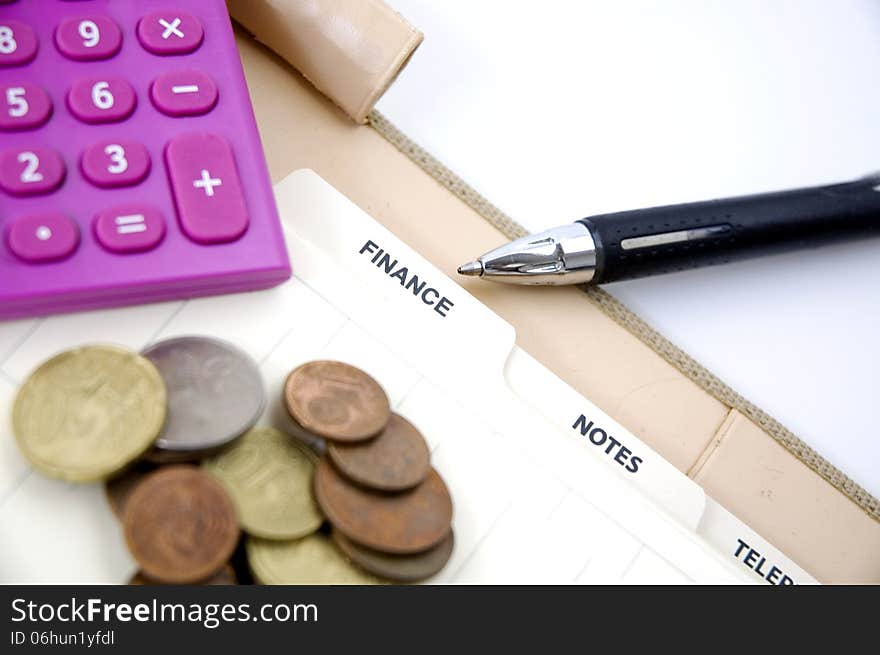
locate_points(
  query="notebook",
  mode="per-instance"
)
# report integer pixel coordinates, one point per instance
(547, 488)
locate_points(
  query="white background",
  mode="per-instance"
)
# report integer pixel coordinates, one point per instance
(558, 109)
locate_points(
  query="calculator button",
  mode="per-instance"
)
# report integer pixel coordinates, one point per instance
(115, 163)
(170, 32)
(183, 93)
(129, 228)
(42, 238)
(207, 192)
(18, 43)
(87, 38)
(23, 106)
(30, 171)
(101, 100)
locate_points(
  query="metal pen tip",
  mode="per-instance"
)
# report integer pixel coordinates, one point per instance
(471, 269)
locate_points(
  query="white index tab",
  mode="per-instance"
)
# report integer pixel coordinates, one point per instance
(750, 551)
(615, 446)
(394, 290)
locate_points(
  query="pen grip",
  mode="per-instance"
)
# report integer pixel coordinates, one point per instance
(642, 242)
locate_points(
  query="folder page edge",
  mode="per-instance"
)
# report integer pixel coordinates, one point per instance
(676, 494)
(530, 434)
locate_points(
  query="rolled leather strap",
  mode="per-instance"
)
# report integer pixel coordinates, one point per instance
(351, 50)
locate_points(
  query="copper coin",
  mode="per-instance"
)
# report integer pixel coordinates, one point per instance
(225, 576)
(180, 525)
(403, 568)
(312, 441)
(397, 459)
(406, 522)
(336, 401)
(119, 489)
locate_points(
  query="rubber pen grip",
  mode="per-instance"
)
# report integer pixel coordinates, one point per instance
(642, 242)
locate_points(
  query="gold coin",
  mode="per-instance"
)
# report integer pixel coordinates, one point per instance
(268, 474)
(310, 560)
(86, 413)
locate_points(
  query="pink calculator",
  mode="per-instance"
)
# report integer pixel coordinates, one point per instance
(131, 169)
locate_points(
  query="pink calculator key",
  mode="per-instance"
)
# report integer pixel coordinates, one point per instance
(23, 106)
(207, 192)
(183, 93)
(40, 238)
(101, 99)
(170, 32)
(18, 43)
(115, 163)
(30, 171)
(87, 38)
(129, 228)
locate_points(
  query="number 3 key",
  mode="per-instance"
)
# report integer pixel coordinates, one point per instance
(115, 163)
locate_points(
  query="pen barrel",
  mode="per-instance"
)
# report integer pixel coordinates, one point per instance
(642, 242)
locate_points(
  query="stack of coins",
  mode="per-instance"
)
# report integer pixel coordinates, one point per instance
(390, 512)
(141, 423)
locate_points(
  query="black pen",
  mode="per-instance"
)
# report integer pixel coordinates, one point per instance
(642, 242)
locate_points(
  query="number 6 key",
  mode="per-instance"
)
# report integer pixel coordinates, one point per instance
(99, 100)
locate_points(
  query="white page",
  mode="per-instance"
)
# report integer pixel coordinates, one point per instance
(561, 109)
(523, 402)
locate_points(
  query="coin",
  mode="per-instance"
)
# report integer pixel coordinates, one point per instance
(225, 576)
(215, 392)
(268, 475)
(398, 458)
(159, 456)
(180, 525)
(119, 489)
(403, 568)
(310, 440)
(336, 401)
(406, 522)
(312, 560)
(87, 413)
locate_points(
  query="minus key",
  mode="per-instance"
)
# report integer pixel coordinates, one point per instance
(184, 93)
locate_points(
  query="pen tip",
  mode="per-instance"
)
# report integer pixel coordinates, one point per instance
(474, 268)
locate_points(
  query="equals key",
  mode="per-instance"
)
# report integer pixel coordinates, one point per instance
(184, 93)
(130, 228)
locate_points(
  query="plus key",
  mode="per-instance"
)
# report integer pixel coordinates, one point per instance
(207, 191)
(207, 183)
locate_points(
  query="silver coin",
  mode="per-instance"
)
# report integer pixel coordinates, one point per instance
(215, 392)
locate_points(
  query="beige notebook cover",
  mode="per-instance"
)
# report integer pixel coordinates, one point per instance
(734, 460)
